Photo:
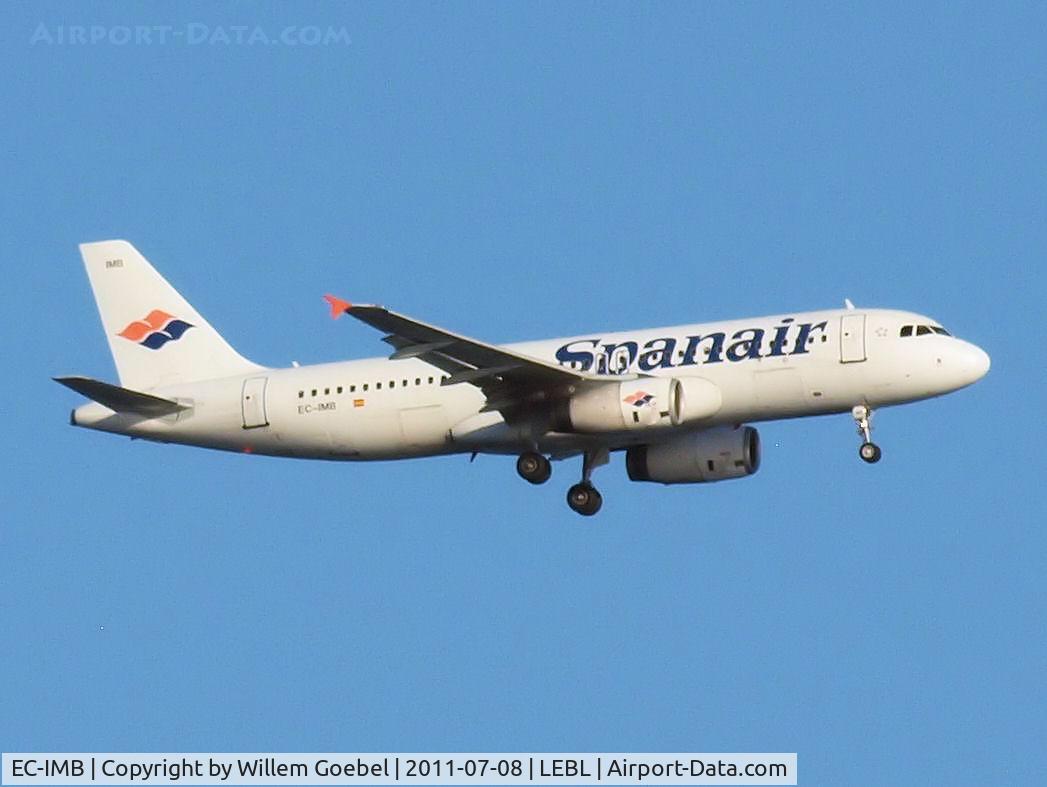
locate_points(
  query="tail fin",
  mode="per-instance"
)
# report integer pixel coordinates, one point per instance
(155, 336)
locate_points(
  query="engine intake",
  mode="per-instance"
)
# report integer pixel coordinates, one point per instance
(699, 457)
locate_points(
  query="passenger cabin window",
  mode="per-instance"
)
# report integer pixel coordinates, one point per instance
(906, 330)
(365, 386)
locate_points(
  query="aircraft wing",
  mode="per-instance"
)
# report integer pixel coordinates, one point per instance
(501, 373)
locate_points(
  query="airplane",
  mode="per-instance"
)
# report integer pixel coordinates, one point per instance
(678, 401)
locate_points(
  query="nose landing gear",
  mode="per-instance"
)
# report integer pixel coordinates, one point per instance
(868, 451)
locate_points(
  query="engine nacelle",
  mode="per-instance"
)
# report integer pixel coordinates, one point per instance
(711, 455)
(639, 404)
(612, 407)
(695, 399)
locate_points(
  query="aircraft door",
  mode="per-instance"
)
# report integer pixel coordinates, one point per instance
(253, 402)
(852, 338)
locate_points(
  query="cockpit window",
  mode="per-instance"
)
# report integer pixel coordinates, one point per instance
(922, 330)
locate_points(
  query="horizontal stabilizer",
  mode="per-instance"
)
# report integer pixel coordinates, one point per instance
(121, 400)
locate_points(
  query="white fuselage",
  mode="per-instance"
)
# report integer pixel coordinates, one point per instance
(765, 368)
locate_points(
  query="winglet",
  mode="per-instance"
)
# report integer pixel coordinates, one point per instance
(338, 306)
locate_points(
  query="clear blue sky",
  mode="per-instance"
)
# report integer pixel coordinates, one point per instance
(513, 172)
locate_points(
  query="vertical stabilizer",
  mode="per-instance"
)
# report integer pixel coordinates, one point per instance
(155, 336)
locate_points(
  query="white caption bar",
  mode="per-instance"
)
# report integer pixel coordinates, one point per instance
(419, 769)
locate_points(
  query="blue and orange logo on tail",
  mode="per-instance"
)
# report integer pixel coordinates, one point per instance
(157, 329)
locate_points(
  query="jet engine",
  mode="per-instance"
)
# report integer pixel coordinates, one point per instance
(698, 457)
(638, 404)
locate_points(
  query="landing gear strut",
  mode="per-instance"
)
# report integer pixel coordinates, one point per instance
(869, 451)
(583, 497)
(534, 467)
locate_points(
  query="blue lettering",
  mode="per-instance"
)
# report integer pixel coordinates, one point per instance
(805, 333)
(746, 348)
(618, 357)
(657, 353)
(778, 342)
(715, 351)
(566, 356)
(610, 362)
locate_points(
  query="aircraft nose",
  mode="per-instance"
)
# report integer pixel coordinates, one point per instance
(971, 363)
(980, 362)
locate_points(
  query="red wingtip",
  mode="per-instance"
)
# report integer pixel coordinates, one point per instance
(338, 306)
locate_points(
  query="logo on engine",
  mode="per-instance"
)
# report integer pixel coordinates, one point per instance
(639, 399)
(157, 329)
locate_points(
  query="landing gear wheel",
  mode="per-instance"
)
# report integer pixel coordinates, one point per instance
(534, 467)
(862, 415)
(584, 499)
(870, 452)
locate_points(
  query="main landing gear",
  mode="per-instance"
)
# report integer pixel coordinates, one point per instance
(534, 468)
(869, 451)
(583, 497)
